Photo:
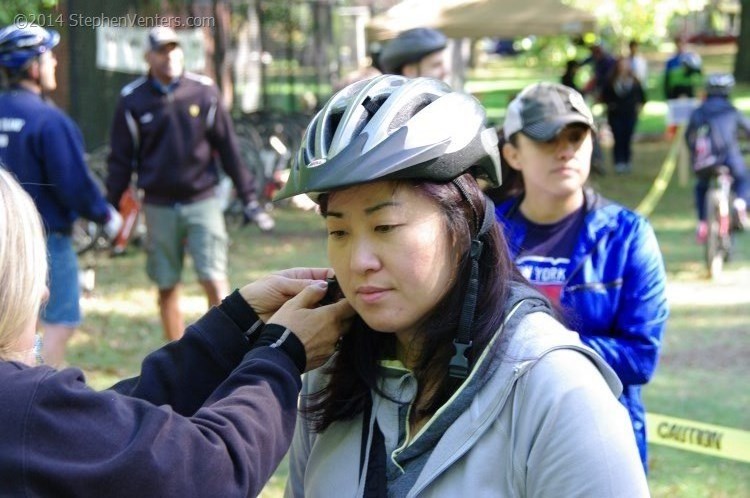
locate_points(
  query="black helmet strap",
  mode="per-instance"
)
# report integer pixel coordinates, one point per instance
(459, 364)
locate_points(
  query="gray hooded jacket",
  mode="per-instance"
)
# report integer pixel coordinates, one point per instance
(537, 417)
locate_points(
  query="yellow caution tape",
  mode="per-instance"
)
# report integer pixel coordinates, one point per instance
(661, 182)
(709, 439)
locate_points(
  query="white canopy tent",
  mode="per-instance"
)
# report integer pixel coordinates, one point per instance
(480, 18)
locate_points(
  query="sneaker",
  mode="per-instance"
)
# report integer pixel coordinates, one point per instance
(701, 233)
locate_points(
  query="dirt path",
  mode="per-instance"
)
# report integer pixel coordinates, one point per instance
(733, 287)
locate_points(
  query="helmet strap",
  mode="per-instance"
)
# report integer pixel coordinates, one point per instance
(371, 106)
(458, 367)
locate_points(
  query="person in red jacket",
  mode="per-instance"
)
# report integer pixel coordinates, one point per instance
(211, 414)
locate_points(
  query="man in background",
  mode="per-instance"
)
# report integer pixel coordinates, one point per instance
(603, 64)
(416, 52)
(170, 127)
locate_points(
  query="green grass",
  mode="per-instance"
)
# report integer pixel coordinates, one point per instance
(702, 374)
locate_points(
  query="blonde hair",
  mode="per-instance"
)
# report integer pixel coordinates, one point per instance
(23, 263)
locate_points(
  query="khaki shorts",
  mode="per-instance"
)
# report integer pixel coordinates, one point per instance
(171, 230)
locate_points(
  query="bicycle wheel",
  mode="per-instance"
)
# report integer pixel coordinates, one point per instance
(234, 215)
(86, 235)
(715, 245)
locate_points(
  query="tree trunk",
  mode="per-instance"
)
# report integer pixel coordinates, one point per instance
(742, 59)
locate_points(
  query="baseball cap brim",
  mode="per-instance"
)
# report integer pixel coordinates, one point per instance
(544, 131)
(158, 37)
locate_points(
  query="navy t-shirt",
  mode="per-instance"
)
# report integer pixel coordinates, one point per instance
(544, 258)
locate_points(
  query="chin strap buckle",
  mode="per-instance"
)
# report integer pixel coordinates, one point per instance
(458, 368)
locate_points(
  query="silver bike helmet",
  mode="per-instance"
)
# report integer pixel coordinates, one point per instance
(410, 46)
(391, 127)
(719, 84)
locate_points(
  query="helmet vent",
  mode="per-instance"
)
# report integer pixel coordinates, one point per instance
(410, 111)
(331, 127)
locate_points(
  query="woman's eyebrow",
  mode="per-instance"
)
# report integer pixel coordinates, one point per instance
(382, 205)
(368, 211)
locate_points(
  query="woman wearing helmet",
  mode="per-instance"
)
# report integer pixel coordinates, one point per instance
(415, 52)
(596, 260)
(726, 122)
(455, 372)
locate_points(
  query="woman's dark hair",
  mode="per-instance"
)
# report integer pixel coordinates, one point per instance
(354, 369)
(512, 185)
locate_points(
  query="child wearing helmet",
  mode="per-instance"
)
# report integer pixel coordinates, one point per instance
(455, 370)
(596, 260)
(726, 122)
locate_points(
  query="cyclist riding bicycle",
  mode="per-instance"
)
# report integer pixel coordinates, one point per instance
(724, 120)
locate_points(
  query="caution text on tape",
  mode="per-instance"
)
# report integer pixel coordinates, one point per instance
(699, 437)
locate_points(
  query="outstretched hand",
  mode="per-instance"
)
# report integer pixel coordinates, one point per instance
(317, 327)
(290, 298)
(268, 294)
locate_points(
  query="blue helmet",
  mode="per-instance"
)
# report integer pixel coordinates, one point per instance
(20, 45)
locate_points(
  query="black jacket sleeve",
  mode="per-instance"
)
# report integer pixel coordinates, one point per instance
(224, 140)
(217, 342)
(121, 160)
(73, 441)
